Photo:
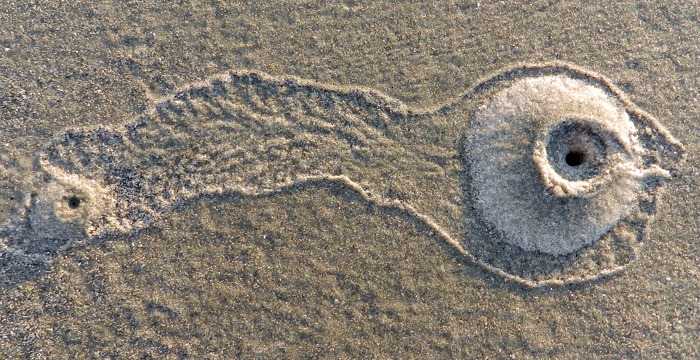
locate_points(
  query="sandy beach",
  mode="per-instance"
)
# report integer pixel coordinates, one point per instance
(320, 269)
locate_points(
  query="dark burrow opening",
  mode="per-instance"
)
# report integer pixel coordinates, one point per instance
(73, 202)
(574, 158)
(576, 150)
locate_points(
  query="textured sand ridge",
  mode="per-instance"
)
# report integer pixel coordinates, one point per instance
(254, 134)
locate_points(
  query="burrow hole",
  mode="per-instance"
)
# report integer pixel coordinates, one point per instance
(574, 158)
(73, 202)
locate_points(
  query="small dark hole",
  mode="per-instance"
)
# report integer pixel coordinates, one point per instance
(73, 202)
(574, 159)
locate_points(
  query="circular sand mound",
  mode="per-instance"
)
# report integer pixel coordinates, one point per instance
(555, 163)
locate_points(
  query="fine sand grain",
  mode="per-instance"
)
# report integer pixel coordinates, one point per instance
(146, 215)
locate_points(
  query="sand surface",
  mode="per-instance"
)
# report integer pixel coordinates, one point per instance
(317, 271)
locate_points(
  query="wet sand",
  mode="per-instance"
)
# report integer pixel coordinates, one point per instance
(316, 270)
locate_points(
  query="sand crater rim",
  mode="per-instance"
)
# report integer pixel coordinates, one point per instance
(575, 150)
